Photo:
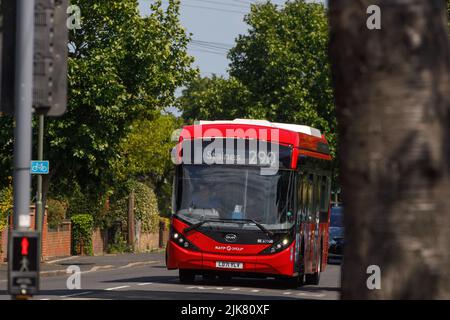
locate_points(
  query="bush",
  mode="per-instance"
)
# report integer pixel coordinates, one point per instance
(146, 207)
(145, 204)
(82, 227)
(165, 222)
(56, 212)
(119, 244)
(6, 205)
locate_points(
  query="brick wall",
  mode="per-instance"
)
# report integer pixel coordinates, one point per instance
(55, 243)
(147, 242)
(99, 241)
(150, 241)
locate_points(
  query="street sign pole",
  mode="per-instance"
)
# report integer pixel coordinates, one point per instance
(22, 139)
(23, 112)
(39, 199)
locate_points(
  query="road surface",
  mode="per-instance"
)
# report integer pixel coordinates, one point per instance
(153, 281)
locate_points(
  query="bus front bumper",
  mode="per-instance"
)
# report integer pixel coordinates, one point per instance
(278, 264)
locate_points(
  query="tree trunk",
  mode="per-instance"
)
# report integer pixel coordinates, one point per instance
(392, 90)
(131, 220)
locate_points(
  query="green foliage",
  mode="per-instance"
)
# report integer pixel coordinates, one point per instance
(82, 227)
(6, 204)
(145, 204)
(56, 212)
(279, 71)
(145, 153)
(448, 12)
(119, 244)
(146, 207)
(122, 67)
(146, 149)
(165, 222)
(6, 149)
(215, 98)
(85, 201)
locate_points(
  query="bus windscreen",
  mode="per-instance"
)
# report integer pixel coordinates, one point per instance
(235, 192)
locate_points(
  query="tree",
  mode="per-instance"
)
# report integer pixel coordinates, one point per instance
(393, 103)
(144, 154)
(215, 98)
(279, 71)
(122, 67)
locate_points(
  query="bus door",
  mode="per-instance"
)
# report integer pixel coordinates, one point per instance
(316, 221)
(308, 223)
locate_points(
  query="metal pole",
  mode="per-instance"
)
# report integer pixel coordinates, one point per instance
(23, 112)
(39, 204)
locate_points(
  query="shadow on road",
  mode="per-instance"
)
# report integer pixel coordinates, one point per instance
(152, 295)
(235, 282)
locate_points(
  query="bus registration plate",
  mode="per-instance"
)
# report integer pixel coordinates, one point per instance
(229, 265)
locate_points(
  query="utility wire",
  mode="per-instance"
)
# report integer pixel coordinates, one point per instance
(220, 3)
(213, 9)
(211, 45)
(208, 51)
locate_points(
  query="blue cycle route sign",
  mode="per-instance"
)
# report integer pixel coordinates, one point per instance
(40, 167)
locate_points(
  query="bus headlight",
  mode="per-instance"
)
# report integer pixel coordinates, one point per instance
(278, 246)
(180, 240)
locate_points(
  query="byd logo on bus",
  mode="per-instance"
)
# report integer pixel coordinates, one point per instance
(257, 150)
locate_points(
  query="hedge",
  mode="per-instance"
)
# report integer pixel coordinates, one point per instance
(6, 205)
(82, 227)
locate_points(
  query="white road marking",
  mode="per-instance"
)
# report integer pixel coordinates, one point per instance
(255, 290)
(310, 294)
(235, 289)
(144, 284)
(76, 294)
(287, 292)
(136, 264)
(117, 288)
(63, 259)
(219, 288)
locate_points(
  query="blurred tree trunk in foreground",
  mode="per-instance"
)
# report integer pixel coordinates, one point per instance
(392, 92)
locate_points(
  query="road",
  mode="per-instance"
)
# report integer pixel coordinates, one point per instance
(153, 281)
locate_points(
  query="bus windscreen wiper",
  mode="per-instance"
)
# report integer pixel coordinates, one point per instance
(259, 225)
(199, 224)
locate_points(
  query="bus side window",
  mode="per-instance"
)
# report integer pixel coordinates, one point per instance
(317, 196)
(324, 196)
(310, 202)
(299, 194)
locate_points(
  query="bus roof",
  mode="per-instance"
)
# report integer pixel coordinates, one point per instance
(304, 138)
(286, 126)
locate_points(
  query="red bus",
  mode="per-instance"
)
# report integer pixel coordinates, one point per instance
(233, 219)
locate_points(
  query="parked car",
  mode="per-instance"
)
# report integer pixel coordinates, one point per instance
(336, 238)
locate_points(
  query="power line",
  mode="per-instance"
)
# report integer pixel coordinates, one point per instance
(212, 48)
(211, 45)
(213, 9)
(220, 3)
(208, 51)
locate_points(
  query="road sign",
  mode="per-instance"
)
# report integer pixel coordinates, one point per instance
(50, 57)
(7, 49)
(40, 167)
(23, 263)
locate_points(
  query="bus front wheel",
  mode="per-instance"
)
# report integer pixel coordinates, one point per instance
(186, 276)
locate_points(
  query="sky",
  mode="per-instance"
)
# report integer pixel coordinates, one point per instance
(214, 24)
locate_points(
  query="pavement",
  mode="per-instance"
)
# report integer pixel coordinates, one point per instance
(89, 263)
(144, 276)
